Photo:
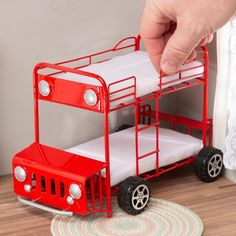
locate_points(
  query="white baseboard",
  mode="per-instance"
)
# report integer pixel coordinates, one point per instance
(230, 174)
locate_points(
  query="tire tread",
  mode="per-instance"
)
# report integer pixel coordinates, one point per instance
(201, 165)
(125, 194)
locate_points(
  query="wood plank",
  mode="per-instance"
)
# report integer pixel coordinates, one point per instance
(17, 219)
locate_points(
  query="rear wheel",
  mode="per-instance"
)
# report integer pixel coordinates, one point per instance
(209, 164)
(134, 195)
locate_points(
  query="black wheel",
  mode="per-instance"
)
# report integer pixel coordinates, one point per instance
(125, 126)
(209, 164)
(134, 195)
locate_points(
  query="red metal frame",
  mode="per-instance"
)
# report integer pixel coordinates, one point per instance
(62, 167)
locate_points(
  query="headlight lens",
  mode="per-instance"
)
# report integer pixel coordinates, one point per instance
(75, 191)
(20, 174)
(27, 188)
(70, 200)
(44, 88)
(90, 97)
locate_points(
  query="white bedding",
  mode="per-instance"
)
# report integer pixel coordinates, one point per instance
(136, 64)
(174, 146)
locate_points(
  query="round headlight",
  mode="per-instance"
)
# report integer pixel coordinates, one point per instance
(70, 200)
(20, 174)
(75, 191)
(27, 188)
(90, 97)
(44, 88)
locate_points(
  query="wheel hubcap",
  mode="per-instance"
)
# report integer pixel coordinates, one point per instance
(215, 165)
(140, 197)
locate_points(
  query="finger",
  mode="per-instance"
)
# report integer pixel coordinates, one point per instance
(210, 37)
(204, 41)
(192, 56)
(207, 39)
(169, 32)
(179, 47)
(153, 26)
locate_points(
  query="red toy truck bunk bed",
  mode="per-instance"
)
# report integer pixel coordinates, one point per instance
(81, 179)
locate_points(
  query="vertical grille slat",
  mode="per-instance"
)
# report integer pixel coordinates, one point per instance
(33, 180)
(43, 184)
(50, 186)
(53, 187)
(62, 189)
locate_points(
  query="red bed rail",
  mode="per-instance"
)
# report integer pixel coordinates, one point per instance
(130, 92)
(202, 57)
(133, 43)
(65, 92)
(146, 114)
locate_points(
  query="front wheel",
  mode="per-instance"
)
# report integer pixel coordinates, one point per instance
(209, 164)
(133, 195)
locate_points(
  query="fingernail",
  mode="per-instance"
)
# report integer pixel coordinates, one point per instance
(170, 67)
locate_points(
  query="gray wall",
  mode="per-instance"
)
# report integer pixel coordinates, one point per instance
(48, 30)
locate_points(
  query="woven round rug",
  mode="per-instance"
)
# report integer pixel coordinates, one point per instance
(160, 218)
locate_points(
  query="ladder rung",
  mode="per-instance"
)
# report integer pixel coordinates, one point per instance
(148, 126)
(148, 154)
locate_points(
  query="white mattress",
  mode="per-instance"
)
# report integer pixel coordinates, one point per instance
(174, 146)
(136, 64)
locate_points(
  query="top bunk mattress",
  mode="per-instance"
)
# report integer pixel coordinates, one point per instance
(136, 64)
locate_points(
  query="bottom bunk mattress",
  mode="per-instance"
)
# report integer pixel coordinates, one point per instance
(174, 146)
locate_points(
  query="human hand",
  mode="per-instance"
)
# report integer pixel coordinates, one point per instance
(172, 29)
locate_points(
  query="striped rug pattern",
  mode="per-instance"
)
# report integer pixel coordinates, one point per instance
(160, 218)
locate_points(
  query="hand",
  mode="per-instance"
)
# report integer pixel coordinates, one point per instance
(172, 29)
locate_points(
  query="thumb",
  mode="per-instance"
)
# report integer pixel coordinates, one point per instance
(178, 48)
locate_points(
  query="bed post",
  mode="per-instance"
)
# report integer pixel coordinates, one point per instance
(157, 132)
(205, 97)
(107, 156)
(137, 43)
(36, 106)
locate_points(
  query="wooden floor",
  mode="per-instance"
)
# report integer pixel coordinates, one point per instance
(215, 203)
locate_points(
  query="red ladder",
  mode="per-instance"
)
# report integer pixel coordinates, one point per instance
(140, 129)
